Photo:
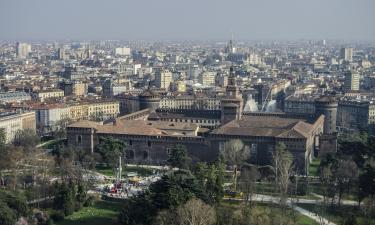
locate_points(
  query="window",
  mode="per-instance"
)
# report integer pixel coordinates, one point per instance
(130, 142)
(79, 139)
(149, 143)
(145, 155)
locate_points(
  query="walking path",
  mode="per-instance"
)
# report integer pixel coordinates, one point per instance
(291, 203)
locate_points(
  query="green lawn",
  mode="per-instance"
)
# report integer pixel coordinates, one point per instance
(337, 214)
(274, 211)
(102, 213)
(313, 168)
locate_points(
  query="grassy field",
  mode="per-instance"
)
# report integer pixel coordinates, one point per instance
(337, 214)
(274, 211)
(102, 213)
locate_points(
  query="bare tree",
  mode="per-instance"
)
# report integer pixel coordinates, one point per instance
(247, 184)
(282, 166)
(196, 212)
(235, 153)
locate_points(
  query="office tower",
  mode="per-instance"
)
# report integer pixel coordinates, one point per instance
(163, 79)
(351, 82)
(61, 53)
(207, 78)
(346, 54)
(23, 50)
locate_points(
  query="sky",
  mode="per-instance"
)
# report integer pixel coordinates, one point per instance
(187, 19)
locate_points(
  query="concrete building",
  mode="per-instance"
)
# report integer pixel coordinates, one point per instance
(355, 115)
(10, 97)
(299, 105)
(49, 115)
(45, 94)
(23, 50)
(351, 82)
(12, 122)
(163, 79)
(346, 54)
(207, 78)
(123, 51)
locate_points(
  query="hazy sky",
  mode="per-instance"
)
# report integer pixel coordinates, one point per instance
(187, 19)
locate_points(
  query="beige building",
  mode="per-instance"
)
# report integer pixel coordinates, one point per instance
(163, 79)
(351, 82)
(12, 122)
(80, 89)
(190, 102)
(207, 78)
(48, 116)
(55, 93)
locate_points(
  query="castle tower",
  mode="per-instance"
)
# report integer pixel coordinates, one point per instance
(232, 103)
(327, 106)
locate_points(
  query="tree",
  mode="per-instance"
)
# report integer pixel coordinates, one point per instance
(3, 137)
(211, 177)
(235, 153)
(7, 215)
(81, 194)
(60, 131)
(347, 170)
(64, 198)
(247, 184)
(179, 157)
(282, 166)
(111, 149)
(27, 139)
(172, 190)
(195, 212)
(367, 181)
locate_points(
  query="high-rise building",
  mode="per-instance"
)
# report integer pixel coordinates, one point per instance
(163, 79)
(61, 53)
(23, 50)
(346, 54)
(351, 82)
(207, 78)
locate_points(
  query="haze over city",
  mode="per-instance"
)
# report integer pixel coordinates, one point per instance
(188, 20)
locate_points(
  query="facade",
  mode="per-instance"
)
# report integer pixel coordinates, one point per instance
(190, 102)
(351, 82)
(13, 122)
(327, 106)
(346, 54)
(48, 117)
(207, 78)
(355, 115)
(123, 51)
(10, 97)
(300, 105)
(232, 103)
(23, 50)
(55, 93)
(163, 79)
(150, 141)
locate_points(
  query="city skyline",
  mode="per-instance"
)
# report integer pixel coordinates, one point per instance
(193, 20)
